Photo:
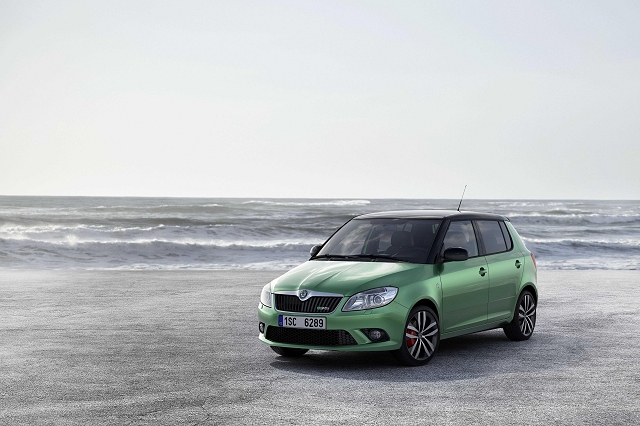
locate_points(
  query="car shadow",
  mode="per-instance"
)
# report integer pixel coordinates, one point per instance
(471, 356)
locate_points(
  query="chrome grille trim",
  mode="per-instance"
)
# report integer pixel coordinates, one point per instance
(311, 293)
(290, 303)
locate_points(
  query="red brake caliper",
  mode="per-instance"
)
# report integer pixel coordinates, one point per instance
(410, 341)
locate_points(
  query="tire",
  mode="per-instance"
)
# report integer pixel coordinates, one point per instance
(422, 323)
(289, 352)
(524, 318)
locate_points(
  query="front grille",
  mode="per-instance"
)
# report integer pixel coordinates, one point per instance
(300, 336)
(313, 305)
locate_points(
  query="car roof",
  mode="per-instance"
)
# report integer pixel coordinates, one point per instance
(432, 214)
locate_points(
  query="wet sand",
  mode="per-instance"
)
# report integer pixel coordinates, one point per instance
(173, 347)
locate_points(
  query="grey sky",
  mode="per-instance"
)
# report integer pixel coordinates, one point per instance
(320, 99)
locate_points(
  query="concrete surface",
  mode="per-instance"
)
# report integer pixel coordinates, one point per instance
(86, 347)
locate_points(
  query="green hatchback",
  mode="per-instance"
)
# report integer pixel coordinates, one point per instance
(401, 281)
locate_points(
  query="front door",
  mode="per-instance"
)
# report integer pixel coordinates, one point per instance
(465, 284)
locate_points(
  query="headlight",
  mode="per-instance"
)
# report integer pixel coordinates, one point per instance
(374, 298)
(265, 297)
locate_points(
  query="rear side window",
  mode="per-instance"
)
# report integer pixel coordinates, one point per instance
(507, 236)
(492, 236)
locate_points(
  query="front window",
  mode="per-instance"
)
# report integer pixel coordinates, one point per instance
(407, 240)
(460, 235)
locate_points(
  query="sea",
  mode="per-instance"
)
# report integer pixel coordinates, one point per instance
(275, 234)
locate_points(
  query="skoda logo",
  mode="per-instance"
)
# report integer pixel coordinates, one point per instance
(302, 294)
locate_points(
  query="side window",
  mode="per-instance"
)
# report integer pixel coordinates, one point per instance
(507, 236)
(460, 234)
(492, 236)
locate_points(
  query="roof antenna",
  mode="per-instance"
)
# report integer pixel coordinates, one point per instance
(465, 188)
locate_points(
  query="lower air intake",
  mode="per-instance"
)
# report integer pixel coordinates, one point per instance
(298, 336)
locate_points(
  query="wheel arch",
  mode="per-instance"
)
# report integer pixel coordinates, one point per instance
(428, 303)
(532, 289)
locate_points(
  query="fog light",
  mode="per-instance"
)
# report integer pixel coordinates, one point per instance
(375, 334)
(261, 327)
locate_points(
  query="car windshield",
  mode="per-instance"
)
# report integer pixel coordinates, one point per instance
(391, 240)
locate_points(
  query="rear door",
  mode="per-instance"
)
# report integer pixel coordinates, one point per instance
(465, 284)
(505, 268)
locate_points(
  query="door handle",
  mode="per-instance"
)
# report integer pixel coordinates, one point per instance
(518, 263)
(482, 272)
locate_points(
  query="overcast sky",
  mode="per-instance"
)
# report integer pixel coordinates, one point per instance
(320, 99)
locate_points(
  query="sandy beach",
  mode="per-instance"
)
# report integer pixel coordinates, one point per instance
(116, 347)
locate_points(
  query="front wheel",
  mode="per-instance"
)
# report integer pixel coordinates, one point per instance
(524, 318)
(422, 337)
(289, 352)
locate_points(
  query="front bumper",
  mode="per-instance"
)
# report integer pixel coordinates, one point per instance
(390, 318)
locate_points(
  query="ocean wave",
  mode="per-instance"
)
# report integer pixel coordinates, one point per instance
(157, 206)
(243, 233)
(570, 249)
(589, 263)
(278, 265)
(583, 241)
(74, 241)
(573, 219)
(42, 229)
(310, 203)
(37, 229)
(104, 229)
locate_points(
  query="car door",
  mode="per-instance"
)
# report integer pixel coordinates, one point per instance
(465, 284)
(505, 268)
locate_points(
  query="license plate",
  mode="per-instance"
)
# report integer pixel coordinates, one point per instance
(302, 322)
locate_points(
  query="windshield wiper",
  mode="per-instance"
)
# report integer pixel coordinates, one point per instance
(359, 256)
(331, 256)
(377, 256)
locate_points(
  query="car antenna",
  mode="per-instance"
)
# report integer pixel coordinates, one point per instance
(465, 188)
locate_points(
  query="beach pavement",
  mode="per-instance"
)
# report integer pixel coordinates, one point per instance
(181, 347)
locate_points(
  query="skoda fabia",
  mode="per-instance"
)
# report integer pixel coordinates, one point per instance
(402, 281)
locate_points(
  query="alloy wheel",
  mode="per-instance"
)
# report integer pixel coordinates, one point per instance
(527, 314)
(421, 335)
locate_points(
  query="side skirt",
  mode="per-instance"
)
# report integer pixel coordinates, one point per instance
(484, 327)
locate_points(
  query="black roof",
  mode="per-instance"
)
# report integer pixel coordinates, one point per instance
(432, 214)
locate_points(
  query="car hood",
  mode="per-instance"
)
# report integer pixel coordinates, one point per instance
(345, 277)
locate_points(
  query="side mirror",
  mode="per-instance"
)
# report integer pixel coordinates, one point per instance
(455, 254)
(314, 250)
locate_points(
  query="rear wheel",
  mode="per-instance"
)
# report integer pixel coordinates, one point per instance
(524, 318)
(421, 337)
(289, 352)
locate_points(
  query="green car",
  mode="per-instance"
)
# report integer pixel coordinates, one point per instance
(402, 281)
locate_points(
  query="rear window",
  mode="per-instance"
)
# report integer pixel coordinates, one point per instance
(492, 236)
